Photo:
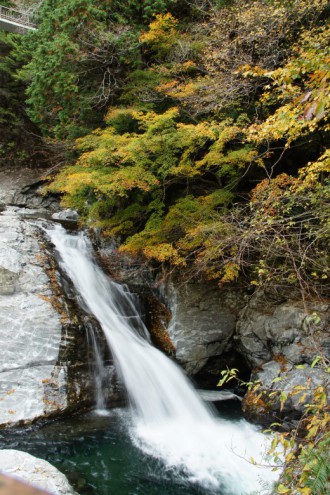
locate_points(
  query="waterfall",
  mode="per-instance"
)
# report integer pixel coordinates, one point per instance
(99, 370)
(169, 420)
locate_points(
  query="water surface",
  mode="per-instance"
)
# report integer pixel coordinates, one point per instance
(99, 457)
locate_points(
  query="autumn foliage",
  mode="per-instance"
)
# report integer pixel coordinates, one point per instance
(235, 186)
(194, 133)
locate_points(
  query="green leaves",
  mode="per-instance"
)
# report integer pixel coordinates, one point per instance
(78, 57)
(227, 376)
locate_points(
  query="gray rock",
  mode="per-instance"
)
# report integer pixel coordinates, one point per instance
(34, 471)
(204, 322)
(217, 396)
(14, 179)
(30, 328)
(44, 355)
(22, 187)
(265, 330)
(298, 385)
(68, 215)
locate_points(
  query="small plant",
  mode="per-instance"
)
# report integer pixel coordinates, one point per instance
(304, 449)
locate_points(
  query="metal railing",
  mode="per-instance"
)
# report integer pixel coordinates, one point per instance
(22, 18)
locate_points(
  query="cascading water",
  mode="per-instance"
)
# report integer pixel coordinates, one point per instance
(99, 372)
(169, 420)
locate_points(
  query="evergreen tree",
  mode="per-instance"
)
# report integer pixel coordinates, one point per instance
(17, 132)
(81, 53)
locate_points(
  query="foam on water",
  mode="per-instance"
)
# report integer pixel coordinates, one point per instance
(170, 421)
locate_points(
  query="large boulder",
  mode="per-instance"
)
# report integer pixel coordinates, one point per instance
(35, 472)
(282, 392)
(266, 329)
(280, 341)
(44, 369)
(204, 322)
(22, 187)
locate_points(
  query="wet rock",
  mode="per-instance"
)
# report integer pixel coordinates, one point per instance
(31, 329)
(36, 472)
(31, 197)
(14, 179)
(22, 187)
(280, 342)
(157, 318)
(44, 360)
(67, 215)
(217, 396)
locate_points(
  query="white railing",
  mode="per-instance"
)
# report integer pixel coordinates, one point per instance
(21, 18)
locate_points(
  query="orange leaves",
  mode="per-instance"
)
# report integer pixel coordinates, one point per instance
(268, 191)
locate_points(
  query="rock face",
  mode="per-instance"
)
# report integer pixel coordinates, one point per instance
(265, 330)
(204, 322)
(35, 472)
(21, 187)
(278, 340)
(44, 366)
(281, 342)
(297, 385)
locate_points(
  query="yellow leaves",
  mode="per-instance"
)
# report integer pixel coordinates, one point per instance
(163, 24)
(162, 33)
(73, 181)
(188, 65)
(300, 88)
(151, 121)
(121, 181)
(249, 71)
(230, 272)
(168, 86)
(305, 491)
(289, 457)
(163, 252)
(180, 90)
(283, 489)
(309, 176)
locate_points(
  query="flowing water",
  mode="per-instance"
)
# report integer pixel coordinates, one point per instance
(168, 420)
(98, 371)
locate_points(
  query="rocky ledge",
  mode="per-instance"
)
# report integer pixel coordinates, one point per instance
(281, 343)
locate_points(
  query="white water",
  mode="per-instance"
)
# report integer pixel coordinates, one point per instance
(170, 421)
(100, 372)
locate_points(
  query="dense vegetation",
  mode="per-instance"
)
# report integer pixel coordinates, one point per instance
(215, 129)
(195, 132)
